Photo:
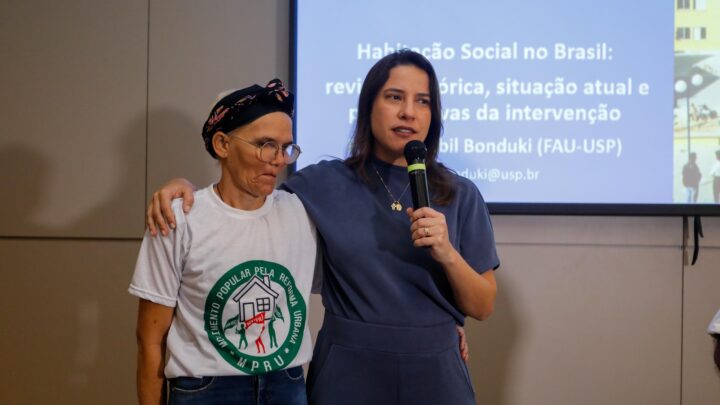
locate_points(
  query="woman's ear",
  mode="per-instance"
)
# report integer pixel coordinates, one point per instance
(220, 143)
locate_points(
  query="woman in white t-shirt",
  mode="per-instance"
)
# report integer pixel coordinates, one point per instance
(224, 297)
(715, 173)
(714, 331)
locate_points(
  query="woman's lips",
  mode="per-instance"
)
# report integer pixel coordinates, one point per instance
(404, 131)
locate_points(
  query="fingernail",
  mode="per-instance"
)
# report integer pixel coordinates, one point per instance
(172, 225)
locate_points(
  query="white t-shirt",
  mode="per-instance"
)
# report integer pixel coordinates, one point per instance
(714, 327)
(715, 171)
(240, 282)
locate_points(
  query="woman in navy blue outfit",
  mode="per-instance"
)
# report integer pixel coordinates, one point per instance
(396, 281)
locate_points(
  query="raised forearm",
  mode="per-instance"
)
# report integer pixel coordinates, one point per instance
(474, 293)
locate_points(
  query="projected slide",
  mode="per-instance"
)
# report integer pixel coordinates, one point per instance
(543, 102)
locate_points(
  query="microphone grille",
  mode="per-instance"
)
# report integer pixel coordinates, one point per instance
(414, 151)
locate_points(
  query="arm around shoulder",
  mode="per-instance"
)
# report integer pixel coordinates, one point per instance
(159, 214)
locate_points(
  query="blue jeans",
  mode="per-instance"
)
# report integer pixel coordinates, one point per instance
(284, 387)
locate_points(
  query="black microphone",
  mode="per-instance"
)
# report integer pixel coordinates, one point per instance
(415, 153)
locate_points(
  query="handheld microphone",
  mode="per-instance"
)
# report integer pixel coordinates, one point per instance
(415, 153)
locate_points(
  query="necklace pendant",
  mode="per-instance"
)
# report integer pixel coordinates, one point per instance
(395, 206)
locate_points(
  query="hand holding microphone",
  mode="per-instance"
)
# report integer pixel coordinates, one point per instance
(415, 153)
(428, 227)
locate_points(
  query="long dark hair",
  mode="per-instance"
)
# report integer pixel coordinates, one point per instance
(362, 143)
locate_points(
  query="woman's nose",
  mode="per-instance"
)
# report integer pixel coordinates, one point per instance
(407, 111)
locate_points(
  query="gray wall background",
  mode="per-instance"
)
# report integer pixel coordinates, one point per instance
(102, 102)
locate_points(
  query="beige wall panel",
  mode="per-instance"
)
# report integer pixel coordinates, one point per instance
(579, 325)
(197, 50)
(701, 380)
(68, 323)
(72, 117)
(600, 230)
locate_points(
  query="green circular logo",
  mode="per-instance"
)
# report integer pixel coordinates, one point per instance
(249, 310)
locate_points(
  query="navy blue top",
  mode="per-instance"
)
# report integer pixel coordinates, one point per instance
(372, 271)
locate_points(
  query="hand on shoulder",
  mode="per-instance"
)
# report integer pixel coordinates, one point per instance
(159, 214)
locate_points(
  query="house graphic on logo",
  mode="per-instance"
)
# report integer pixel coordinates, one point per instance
(256, 297)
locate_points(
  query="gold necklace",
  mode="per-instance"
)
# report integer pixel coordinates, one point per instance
(395, 206)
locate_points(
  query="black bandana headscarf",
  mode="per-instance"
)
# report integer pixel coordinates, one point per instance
(244, 106)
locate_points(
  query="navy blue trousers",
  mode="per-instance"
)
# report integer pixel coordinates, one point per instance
(361, 363)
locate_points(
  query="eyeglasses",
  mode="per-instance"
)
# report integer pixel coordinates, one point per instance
(268, 151)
